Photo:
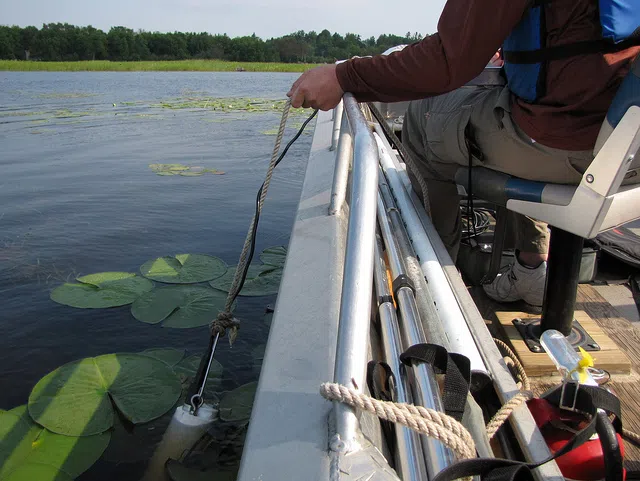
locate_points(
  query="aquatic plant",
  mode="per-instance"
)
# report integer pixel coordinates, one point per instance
(274, 256)
(184, 268)
(79, 398)
(105, 289)
(179, 307)
(30, 452)
(236, 405)
(262, 280)
(183, 170)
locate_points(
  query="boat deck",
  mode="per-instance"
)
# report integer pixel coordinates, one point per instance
(614, 311)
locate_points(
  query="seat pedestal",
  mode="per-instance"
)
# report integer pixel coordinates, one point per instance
(558, 312)
(561, 288)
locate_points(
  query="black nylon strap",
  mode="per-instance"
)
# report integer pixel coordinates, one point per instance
(457, 371)
(587, 400)
(558, 52)
(489, 469)
(381, 381)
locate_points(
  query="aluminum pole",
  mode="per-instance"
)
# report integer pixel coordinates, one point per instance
(460, 338)
(410, 463)
(341, 170)
(357, 283)
(337, 121)
(422, 376)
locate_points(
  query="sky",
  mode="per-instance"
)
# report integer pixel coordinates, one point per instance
(265, 18)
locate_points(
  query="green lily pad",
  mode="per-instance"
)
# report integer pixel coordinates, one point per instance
(187, 370)
(33, 471)
(78, 399)
(168, 169)
(183, 170)
(262, 280)
(27, 449)
(168, 355)
(236, 405)
(184, 269)
(179, 307)
(106, 289)
(274, 256)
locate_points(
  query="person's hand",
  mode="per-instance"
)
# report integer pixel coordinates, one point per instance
(497, 60)
(317, 88)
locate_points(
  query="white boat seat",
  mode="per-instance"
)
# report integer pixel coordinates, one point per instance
(599, 202)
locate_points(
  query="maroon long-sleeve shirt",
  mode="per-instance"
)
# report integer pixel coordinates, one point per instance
(579, 89)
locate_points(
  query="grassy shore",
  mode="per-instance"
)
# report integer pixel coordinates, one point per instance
(162, 66)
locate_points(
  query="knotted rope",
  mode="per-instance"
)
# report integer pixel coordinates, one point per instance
(423, 420)
(522, 397)
(225, 319)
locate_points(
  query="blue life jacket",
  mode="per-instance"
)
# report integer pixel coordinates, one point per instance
(525, 52)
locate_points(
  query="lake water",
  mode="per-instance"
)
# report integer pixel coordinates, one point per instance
(77, 196)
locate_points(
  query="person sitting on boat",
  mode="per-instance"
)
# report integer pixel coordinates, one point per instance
(542, 126)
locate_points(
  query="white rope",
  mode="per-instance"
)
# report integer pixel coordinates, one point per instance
(500, 417)
(426, 421)
(225, 319)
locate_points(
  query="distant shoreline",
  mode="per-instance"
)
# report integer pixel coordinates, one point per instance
(152, 66)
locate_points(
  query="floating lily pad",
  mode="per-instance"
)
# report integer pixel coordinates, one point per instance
(33, 471)
(184, 268)
(30, 452)
(274, 256)
(183, 170)
(236, 405)
(78, 399)
(106, 289)
(262, 280)
(168, 355)
(187, 370)
(179, 307)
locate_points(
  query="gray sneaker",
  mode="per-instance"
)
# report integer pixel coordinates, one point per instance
(516, 282)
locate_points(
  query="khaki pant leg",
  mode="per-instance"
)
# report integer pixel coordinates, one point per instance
(436, 131)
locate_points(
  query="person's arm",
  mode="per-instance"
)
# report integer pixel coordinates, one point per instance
(469, 34)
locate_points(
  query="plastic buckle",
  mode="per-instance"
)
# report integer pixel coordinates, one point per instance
(574, 401)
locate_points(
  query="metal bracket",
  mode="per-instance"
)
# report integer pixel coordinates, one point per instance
(529, 330)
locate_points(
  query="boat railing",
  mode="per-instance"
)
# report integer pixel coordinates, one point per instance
(358, 148)
(357, 283)
(362, 160)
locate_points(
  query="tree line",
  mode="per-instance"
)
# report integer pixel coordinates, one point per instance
(64, 42)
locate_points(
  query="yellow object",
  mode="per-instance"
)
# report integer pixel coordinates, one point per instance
(586, 361)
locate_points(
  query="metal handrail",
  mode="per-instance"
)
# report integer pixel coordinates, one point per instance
(343, 159)
(357, 282)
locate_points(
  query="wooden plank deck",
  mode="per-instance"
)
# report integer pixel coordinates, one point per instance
(622, 332)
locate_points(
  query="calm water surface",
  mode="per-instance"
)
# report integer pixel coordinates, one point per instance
(77, 197)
